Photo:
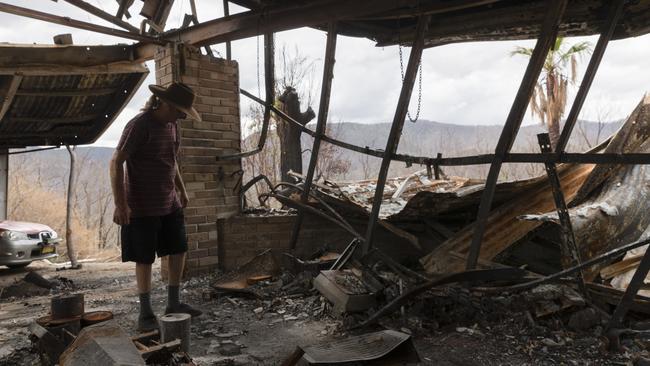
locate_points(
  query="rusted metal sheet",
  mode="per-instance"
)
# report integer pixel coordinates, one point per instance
(503, 226)
(102, 344)
(617, 210)
(366, 347)
(63, 94)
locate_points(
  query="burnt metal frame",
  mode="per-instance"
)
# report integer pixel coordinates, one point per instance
(544, 43)
(548, 35)
(269, 84)
(569, 246)
(4, 182)
(321, 122)
(397, 125)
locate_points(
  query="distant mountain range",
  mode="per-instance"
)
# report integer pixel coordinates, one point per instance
(424, 138)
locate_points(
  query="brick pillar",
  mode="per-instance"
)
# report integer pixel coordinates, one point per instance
(209, 183)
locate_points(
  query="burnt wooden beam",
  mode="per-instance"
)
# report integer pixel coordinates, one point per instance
(56, 120)
(570, 252)
(122, 9)
(226, 12)
(252, 23)
(25, 12)
(102, 14)
(396, 127)
(65, 93)
(20, 56)
(614, 14)
(9, 94)
(321, 122)
(547, 38)
(431, 8)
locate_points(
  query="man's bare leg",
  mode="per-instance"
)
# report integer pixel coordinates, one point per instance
(175, 264)
(143, 277)
(147, 319)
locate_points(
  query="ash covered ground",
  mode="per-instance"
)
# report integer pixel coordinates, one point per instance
(449, 326)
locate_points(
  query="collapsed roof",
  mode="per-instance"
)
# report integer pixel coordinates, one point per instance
(478, 20)
(607, 211)
(58, 95)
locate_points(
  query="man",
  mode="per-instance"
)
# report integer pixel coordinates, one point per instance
(150, 197)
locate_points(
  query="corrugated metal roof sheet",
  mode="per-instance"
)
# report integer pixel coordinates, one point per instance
(73, 101)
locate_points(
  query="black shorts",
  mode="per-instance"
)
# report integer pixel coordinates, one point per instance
(144, 237)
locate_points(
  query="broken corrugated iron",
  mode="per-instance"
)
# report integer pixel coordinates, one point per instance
(388, 347)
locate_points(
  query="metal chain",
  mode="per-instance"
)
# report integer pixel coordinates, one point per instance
(259, 89)
(401, 66)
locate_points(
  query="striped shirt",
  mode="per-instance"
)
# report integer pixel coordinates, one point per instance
(151, 148)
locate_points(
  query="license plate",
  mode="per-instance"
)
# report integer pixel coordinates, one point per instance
(47, 250)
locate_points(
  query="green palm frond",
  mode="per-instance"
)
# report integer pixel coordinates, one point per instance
(523, 51)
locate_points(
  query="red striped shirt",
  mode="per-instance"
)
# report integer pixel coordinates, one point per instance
(151, 147)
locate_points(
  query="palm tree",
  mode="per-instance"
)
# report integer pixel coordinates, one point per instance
(550, 94)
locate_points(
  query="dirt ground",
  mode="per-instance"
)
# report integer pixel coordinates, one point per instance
(454, 328)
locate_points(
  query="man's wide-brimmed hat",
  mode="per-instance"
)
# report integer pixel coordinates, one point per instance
(179, 96)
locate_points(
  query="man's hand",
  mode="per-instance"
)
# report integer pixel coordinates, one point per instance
(184, 199)
(122, 215)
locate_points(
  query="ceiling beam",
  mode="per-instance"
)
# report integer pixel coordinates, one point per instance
(124, 6)
(25, 12)
(66, 93)
(10, 94)
(104, 15)
(431, 8)
(271, 20)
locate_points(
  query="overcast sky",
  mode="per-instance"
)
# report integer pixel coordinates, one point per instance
(464, 83)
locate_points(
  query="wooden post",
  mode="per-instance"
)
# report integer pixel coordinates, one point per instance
(176, 326)
(68, 214)
(226, 12)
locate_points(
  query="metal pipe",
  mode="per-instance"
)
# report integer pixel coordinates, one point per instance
(269, 83)
(566, 272)
(289, 202)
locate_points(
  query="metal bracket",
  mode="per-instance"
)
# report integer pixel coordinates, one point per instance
(569, 246)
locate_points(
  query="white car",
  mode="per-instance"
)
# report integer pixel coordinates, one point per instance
(24, 242)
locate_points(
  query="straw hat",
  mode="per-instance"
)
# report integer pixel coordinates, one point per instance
(178, 95)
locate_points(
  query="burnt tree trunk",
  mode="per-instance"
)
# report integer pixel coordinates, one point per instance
(290, 146)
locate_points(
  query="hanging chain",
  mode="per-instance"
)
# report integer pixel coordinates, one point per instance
(259, 89)
(401, 66)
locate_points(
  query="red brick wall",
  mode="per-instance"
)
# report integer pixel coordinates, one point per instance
(209, 183)
(242, 237)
